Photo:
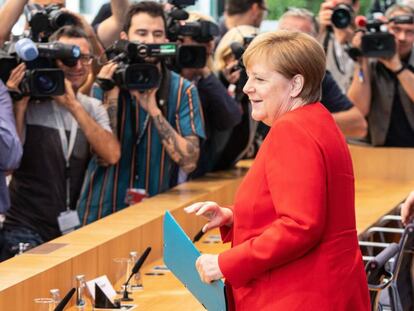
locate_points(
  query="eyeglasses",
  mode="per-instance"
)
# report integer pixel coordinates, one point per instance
(86, 59)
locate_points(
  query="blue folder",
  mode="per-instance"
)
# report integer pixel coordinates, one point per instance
(180, 256)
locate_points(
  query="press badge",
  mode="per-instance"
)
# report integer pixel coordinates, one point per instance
(68, 221)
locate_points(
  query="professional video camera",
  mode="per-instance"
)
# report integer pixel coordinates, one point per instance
(136, 69)
(342, 15)
(377, 43)
(200, 31)
(43, 21)
(42, 77)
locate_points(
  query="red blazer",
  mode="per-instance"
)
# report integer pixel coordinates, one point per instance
(294, 241)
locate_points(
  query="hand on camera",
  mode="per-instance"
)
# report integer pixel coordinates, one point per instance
(67, 100)
(232, 75)
(16, 77)
(217, 216)
(394, 62)
(325, 13)
(147, 100)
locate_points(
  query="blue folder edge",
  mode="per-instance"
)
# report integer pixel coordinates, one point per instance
(180, 256)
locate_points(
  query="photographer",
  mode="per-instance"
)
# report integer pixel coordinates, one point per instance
(335, 33)
(385, 95)
(240, 144)
(160, 129)
(57, 135)
(221, 112)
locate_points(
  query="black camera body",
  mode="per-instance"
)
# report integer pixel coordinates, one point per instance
(200, 31)
(43, 21)
(136, 68)
(42, 78)
(376, 43)
(342, 15)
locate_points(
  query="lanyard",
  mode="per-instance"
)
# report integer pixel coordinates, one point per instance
(67, 147)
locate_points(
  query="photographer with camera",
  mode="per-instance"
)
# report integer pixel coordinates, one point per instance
(160, 128)
(240, 143)
(221, 112)
(336, 19)
(383, 88)
(58, 135)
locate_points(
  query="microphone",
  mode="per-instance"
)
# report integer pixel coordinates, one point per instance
(135, 269)
(361, 21)
(65, 300)
(26, 49)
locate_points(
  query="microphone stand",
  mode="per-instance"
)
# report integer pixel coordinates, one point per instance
(135, 270)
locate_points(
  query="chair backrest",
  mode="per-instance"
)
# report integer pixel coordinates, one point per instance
(378, 276)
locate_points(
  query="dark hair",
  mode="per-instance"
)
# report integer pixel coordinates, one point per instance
(151, 8)
(234, 7)
(69, 31)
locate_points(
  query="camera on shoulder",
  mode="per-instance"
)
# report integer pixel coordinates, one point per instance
(136, 61)
(42, 77)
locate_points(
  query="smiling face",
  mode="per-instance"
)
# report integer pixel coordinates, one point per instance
(268, 92)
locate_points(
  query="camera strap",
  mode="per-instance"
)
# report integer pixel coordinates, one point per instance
(67, 147)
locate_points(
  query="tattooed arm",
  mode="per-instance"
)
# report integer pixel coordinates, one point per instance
(111, 105)
(110, 101)
(183, 150)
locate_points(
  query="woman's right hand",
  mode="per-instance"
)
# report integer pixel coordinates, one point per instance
(218, 216)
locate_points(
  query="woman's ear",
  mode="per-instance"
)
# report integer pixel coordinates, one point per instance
(296, 85)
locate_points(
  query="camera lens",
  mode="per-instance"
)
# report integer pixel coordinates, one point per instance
(45, 84)
(341, 16)
(140, 77)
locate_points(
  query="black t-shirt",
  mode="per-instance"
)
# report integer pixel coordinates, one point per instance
(400, 133)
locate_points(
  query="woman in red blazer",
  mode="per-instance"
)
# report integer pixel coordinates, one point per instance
(292, 226)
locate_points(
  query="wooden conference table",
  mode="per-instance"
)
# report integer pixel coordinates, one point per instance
(384, 176)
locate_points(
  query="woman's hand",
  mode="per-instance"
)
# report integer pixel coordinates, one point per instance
(407, 209)
(208, 268)
(218, 216)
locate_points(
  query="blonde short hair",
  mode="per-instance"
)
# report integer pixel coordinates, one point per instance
(236, 34)
(291, 53)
